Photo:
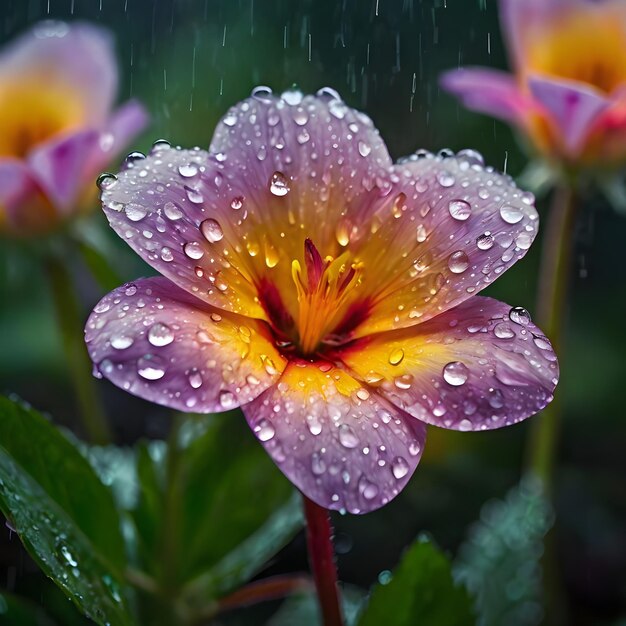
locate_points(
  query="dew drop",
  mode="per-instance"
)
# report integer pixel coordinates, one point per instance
(519, 315)
(455, 373)
(166, 254)
(399, 467)
(121, 342)
(135, 212)
(106, 180)
(188, 171)
(193, 250)
(458, 262)
(195, 379)
(279, 185)
(148, 369)
(445, 179)
(236, 203)
(459, 210)
(211, 230)
(160, 335)
(396, 356)
(264, 430)
(227, 399)
(172, 211)
(503, 331)
(347, 437)
(364, 148)
(511, 214)
(484, 241)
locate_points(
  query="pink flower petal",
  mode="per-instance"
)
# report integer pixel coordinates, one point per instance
(481, 365)
(62, 167)
(77, 58)
(449, 228)
(573, 107)
(343, 446)
(491, 92)
(24, 209)
(280, 170)
(125, 124)
(160, 343)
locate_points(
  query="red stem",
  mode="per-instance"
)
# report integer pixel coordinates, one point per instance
(322, 560)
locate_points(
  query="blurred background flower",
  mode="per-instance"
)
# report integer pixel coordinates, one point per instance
(58, 83)
(567, 93)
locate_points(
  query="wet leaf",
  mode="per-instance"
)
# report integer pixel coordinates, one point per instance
(500, 562)
(63, 514)
(421, 591)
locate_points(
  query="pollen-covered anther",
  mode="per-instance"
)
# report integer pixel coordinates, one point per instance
(323, 287)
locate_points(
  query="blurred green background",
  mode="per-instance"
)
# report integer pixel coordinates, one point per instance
(188, 61)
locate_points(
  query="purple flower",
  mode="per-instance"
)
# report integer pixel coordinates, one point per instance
(326, 291)
(568, 91)
(57, 88)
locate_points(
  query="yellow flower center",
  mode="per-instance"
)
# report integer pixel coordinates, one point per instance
(33, 113)
(323, 288)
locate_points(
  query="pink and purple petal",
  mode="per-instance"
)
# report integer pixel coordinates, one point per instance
(573, 107)
(479, 366)
(162, 344)
(61, 167)
(491, 92)
(450, 227)
(342, 446)
(75, 57)
(24, 208)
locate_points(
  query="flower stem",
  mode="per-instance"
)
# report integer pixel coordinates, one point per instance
(70, 323)
(552, 295)
(322, 560)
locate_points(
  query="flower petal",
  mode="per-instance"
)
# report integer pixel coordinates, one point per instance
(573, 107)
(76, 60)
(278, 172)
(62, 167)
(162, 344)
(24, 209)
(125, 124)
(342, 446)
(491, 92)
(449, 229)
(478, 366)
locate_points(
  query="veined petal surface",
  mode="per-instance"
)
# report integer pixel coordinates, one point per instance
(162, 344)
(343, 446)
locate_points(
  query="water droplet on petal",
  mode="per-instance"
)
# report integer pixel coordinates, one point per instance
(172, 211)
(195, 379)
(459, 210)
(503, 331)
(211, 230)
(227, 399)
(106, 180)
(519, 315)
(364, 148)
(262, 93)
(347, 437)
(160, 335)
(458, 262)
(166, 254)
(455, 373)
(135, 212)
(396, 356)
(149, 369)
(264, 430)
(193, 250)
(188, 170)
(279, 185)
(236, 203)
(399, 467)
(511, 214)
(484, 241)
(445, 179)
(121, 342)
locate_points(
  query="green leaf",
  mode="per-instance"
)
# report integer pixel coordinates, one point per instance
(64, 515)
(421, 591)
(15, 610)
(216, 515)
(500, 562)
